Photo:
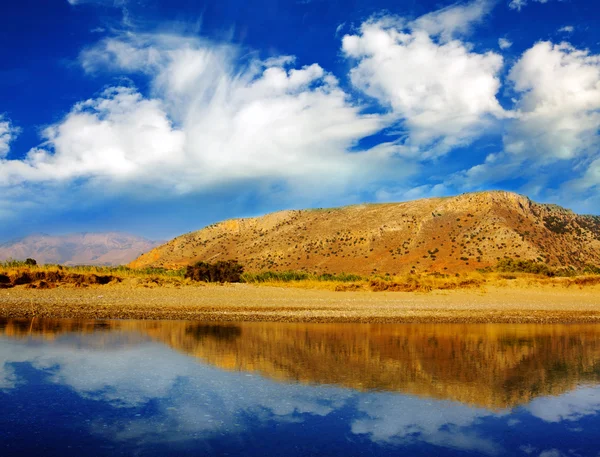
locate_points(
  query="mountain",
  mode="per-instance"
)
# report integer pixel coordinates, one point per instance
(450, 234)
(78, 248)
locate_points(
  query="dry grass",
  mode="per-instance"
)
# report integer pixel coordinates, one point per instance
(14, 274)
(433, 282)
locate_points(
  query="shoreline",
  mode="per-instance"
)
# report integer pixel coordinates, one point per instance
(251, 303)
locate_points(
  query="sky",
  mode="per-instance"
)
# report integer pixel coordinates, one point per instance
(160, 117)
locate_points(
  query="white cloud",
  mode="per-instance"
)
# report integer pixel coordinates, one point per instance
(453, 21)
(558, 108)
(589, 181)
(207, 123)
(504, 43)
(556, 119)
(443, 92)
(567, 29)
(8, 132)
(115, 135)
(518, 4)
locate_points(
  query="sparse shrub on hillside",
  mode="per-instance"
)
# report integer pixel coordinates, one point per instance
(30, 262)
(556, 224)
(221, 271)
(591, 269)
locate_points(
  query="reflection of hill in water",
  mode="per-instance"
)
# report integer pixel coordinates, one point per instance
(486, 365)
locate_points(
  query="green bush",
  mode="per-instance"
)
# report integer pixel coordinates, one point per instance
(221, 271)
(289, 276)
(268, 276)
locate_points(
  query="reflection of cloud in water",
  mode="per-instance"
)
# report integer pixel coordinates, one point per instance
(8, 379)
(570, 406)
(208, 400)
(128, 376)
(190, 396)
(393, 418)
(191, 400)
(551, 453)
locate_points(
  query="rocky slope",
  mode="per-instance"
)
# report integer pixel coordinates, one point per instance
(78, 248)
(451, 234)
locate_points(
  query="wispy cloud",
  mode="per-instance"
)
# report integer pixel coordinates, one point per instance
(504, 43)
(8, 132)
(519, 4)
(567, 29)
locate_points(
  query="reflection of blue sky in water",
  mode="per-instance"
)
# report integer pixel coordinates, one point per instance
(152, 396)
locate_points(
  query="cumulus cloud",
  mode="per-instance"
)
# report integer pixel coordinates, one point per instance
(442, 92)
(559, 103)
(556, 118)
(218, 117)
(115, 135)
(8, 132)
(207, 122)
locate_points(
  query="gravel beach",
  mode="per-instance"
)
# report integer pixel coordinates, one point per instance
(243, 302)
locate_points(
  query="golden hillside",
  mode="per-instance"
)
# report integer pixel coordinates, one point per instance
(489, 365)
(450, 234)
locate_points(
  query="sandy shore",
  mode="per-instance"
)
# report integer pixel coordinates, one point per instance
(241, 302)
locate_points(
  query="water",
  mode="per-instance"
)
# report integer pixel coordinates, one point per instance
(90, 388)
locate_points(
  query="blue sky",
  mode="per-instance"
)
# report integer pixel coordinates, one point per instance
(159, 117)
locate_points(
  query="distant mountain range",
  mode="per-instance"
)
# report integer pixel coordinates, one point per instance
(450, 234)
(78, 248)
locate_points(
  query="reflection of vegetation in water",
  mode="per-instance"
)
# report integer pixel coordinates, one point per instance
(486, 365)
(218, 332)
(50, 327)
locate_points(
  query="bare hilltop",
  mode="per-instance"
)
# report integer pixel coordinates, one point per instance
(451, 234)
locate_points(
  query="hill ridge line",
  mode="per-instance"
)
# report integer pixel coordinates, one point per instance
(438, 234)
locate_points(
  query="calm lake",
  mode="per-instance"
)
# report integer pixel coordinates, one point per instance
(157, 388)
